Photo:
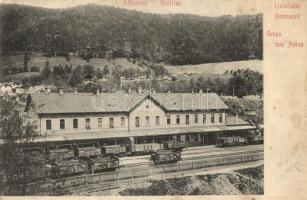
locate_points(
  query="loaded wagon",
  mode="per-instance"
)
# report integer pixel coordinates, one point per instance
(68, 168)
(166, 156)
(103, 163)
(60, 152)
(87, 150)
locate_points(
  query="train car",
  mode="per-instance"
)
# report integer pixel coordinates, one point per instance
(60, 152)
(231, 141)
(65, 168)
(145, 148)
(35, 154)
(255, 139)
(166, 156)
(240, 140)
(103, 163)
(113, 149)
(90, 150)
(173, 144)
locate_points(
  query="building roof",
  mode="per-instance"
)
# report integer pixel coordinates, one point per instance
(118, 102)
(189, 101)
(235, 121)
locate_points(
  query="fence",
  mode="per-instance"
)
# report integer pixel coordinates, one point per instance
(107, 180)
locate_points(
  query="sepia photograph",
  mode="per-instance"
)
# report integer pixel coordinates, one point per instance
(131, 98)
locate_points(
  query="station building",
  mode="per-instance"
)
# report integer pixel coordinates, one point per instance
(141, 117)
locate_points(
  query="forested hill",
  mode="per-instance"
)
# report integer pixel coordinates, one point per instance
(101, 31)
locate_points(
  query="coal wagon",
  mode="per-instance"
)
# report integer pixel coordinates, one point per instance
(166, 156)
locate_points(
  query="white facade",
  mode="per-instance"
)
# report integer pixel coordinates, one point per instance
(146, 115)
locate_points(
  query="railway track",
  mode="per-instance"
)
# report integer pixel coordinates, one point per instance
(191, 154)
(133, 174)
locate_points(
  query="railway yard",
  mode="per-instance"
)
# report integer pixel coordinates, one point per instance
(134, 170)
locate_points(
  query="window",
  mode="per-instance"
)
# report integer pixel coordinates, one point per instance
(204, 118)
(100, 122)
(48, 124)
(137, 122)
(168, 119)
(196, 119)
(220, 117)
(157, 120)
(111, 122)
(122, 122)
(178, 119)
(212, 118)
(187, 119)
(62, 124)
(75, 123)
(147, 121)
(87, 123)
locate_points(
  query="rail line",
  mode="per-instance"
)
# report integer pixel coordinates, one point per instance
(113, 180)
(190, 156)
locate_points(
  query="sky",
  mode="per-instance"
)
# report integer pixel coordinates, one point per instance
(199, 7)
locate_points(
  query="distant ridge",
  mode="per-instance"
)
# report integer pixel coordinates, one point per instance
(99, 31)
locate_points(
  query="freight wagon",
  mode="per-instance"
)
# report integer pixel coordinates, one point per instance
(68, 168)
(60, 152)
(103, 163)
(166, 156)
(235, 141)
(84, 150)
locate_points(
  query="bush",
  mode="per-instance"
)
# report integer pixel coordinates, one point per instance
(34, 69)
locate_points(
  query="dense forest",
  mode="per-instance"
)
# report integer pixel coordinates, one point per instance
(108, 32)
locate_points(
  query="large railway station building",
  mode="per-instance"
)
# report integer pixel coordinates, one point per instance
(141, 117)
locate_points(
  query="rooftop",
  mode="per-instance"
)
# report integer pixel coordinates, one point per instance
(122, 102)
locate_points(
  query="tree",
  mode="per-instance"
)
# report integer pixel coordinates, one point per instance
(34, 69)
(25, 62)
(77, 76)
(106, 70)
(99, 73)
(246, 82)
(17, 165)
(89, 72)
(46, 72)
(47, 63)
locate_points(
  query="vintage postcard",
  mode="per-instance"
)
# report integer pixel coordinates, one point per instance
(159, 98)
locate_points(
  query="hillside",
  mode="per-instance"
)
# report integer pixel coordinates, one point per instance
(102, 31)
(39, 61)
(216, 68)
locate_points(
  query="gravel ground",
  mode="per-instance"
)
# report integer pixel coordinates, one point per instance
(241, 181)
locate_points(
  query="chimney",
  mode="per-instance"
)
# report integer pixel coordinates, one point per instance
(61, 91)
(200, 91)
(139, 90)
(129, 90)
(75, 91)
